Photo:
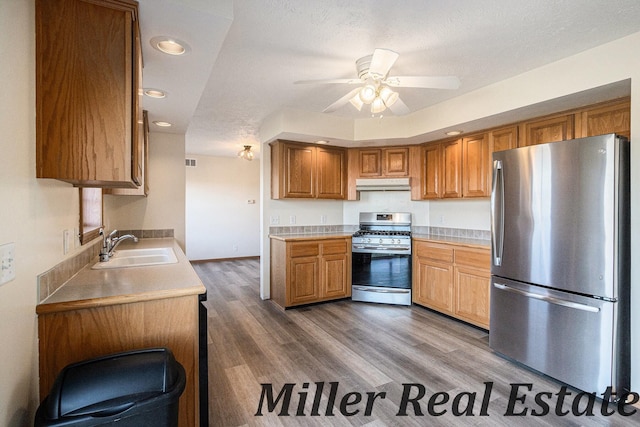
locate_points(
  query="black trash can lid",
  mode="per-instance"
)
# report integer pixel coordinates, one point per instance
(112, 383)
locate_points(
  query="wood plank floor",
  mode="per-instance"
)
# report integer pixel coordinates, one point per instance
(364, 348)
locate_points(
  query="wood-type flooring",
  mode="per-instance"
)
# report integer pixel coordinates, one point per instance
(368, 359)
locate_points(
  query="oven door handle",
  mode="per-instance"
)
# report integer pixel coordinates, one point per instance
(383, 248)
(381, 291)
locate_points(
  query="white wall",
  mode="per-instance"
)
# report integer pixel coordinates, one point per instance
(386, 201)
(33, 214)
(164, 206)
(220, 223)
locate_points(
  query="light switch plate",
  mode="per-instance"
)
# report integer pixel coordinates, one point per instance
(7, 263)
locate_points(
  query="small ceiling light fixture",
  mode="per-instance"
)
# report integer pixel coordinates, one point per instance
(246, 153)
(453, 132)
(322, 141)
(155, 93)
(162, 123)
(169, 45)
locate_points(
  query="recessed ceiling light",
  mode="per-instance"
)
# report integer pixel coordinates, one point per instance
(155, 93)
(169, 45)
(453, 132)
(162, 124)
(322, 141)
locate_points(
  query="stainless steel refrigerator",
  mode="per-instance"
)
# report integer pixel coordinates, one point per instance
(560, 260)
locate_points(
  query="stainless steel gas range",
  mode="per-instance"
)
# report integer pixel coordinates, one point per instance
(381, 253)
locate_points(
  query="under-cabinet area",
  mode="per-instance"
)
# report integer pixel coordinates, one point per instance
(100, 312)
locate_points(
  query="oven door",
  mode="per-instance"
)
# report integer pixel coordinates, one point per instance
(382, 278)
(386, 270)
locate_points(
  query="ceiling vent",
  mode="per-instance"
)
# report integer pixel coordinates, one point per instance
(190, 163)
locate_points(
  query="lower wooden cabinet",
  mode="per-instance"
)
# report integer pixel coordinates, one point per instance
(453, 279)
(308, 271)
(78, 334)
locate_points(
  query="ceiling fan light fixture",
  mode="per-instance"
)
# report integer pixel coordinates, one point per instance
(246, 153)
(357, 102)
(368, 92)
(377, 106)
(388, 96)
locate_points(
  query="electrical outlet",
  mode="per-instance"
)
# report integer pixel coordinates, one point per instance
(441, 219)
(251, 201)
(292, 219)
(274, 220)
(323, 219)
(7, 263)
(235, 248)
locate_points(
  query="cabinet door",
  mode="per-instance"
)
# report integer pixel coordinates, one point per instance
(396, 161)
(452, 169)
(554, 129)
(614, 118)
(472, 287)
(86, 77)
(503, 139)
(299, 171)
(476, 166)
(335, 272)
(433, 286)
(370, 163)
(331, 167)
(431, 172)
(304, 285)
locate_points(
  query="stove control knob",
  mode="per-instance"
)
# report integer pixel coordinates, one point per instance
(380, 241)
(368, 240)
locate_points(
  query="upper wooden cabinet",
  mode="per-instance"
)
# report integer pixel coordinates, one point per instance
(88, 81)
(476, 165)
(383, 162)
(503, 139)
(307, 171)
(607, 118)
(553, 129)
(441, 170)
(143, 189)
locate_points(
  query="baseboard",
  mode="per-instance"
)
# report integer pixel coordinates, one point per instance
(198, 261)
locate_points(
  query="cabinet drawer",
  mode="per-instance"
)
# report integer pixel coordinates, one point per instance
(438, 253)
(304, 249)
(332, 247)
(474, 258)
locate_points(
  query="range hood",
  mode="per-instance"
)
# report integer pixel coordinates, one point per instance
(383, 184)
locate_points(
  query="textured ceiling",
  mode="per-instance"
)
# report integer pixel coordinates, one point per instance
(245, 55)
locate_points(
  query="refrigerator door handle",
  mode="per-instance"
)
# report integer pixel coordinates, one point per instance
(497, 213)
(550, 300)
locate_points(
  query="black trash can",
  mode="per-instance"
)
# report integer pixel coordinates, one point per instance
(132, 389)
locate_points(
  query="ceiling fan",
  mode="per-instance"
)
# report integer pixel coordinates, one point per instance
(376, 85)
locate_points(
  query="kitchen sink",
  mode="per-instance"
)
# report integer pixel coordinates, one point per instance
(138, 258)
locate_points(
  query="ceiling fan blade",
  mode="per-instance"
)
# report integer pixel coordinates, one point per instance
(329, 81)
(381, 62)
(399, 108)
(342, 101)
(425, 82)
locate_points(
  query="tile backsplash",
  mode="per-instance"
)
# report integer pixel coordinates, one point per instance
(52, 279)
(435, 231)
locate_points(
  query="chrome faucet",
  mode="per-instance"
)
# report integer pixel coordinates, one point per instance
(110, 242)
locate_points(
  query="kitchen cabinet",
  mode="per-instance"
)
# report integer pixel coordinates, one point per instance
(476, 166)
(308, 171)
(441, 175)
(453, 279)
(383, 162)
(551, 129)
(606, 118)
(503, 139)
(88, 90)
(308, 271)
(143, 189)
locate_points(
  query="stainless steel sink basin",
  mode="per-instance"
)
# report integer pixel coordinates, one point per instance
(138, 258)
